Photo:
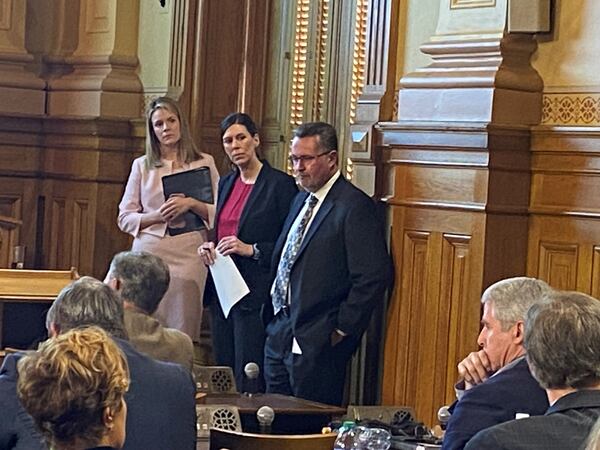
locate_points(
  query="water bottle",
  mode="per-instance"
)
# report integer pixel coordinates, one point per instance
(347, 437)
(375, 439)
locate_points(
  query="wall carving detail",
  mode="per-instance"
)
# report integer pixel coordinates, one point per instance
(571, 109)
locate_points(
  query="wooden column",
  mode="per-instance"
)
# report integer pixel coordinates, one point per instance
(456, 171)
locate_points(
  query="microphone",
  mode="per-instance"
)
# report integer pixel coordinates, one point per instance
(443, 416)
(252, 371)
(265, 416)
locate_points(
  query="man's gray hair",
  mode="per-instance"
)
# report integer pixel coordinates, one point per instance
(512, 297)
(562, 339)
(144, 278)
(88, 301)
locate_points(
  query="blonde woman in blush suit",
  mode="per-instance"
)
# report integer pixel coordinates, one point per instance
(146, 215)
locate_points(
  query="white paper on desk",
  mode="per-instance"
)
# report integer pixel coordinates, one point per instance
(229, 283)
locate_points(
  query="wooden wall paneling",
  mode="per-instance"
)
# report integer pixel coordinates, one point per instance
(275, 128)
(229, 67)
(69, 232)
(434, 312)
(565, 211)
(450, 184)
(86, 164)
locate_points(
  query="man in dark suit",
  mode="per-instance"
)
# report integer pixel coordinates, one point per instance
(496, 383)
(562, 339)
(332, 268)
(160, 402)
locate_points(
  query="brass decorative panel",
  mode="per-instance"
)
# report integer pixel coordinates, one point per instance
(359, 55)
(300, 62)
(322, 62)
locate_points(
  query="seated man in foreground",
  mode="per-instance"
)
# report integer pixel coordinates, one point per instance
(161, 398)
(562, 339)
(141, 280)
(496, 382)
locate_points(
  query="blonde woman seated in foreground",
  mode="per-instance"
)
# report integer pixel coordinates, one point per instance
(74, 388)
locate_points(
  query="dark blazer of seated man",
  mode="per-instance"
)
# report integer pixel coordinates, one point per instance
(161, 410)
(562, 339)
(141, 280)
(496, 382)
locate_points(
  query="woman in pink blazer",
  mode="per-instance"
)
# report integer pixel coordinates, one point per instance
(151, 220)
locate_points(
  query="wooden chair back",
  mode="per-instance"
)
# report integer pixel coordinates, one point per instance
(230, 440)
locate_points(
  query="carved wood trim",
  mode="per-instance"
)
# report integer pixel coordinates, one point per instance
(558, 264)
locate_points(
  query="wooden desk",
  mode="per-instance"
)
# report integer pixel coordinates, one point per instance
(292, 415)
(25, 296)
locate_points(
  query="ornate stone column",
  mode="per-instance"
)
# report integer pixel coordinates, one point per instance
(22, 92)
(103, 79)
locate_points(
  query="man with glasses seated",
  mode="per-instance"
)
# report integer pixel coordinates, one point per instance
(331, 268)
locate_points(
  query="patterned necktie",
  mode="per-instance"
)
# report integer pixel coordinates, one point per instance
(282, 280)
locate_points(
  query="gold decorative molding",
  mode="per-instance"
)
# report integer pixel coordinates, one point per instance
(457, 4)
(299, 62)
(5, 14)
(321, 52)
(359, 55)
(571, 109)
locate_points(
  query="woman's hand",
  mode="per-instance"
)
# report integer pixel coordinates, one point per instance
(207, 253)
(175, 206)
(231, 245)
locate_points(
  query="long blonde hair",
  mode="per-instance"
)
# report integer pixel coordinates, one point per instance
(187, 150)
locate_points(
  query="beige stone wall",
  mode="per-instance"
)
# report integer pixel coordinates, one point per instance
(568, 62)
(417, 23)
(154, 47)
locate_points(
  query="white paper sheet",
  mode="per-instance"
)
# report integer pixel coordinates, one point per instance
(229, 283)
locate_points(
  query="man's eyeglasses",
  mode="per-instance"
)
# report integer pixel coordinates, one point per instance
(305, 159)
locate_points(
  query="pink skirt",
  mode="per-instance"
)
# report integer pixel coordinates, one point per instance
(181, 307)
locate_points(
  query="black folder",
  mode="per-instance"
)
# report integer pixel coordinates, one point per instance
(194, 183)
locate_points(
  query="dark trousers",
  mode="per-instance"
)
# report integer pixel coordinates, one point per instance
(238, 340)
(317, 375)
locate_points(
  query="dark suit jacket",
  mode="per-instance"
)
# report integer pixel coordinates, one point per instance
(161, 411)
(495, 401)
(341, 271)
(260, 224)
(565, 426)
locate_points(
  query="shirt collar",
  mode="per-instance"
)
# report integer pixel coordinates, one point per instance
(324, 190)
